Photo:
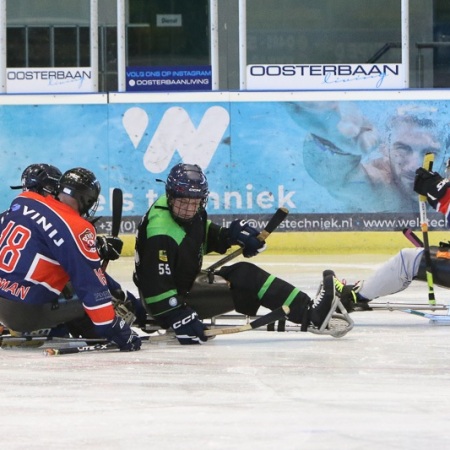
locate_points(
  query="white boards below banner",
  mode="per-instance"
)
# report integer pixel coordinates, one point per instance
(325, 76)
(49, 80)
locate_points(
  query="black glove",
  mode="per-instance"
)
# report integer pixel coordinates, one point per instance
(430, 184)
(243, 234)
(109, 247)
(187, 326)
(123, 336)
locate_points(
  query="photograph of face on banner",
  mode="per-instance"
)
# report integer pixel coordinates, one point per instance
(368, 161)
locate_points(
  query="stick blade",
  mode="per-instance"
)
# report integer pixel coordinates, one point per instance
(440, 320)
(412, 237)
(117, 204)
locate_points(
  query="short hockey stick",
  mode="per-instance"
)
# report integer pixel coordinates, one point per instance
(273, 316)
(277, 218)
(412, 237)
(117, 204)
(100, 344)
(11, 340)
(82, 349)
(428, 165)
(277, 314)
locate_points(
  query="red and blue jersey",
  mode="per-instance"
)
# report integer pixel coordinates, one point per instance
(443, 206)
(43, 244)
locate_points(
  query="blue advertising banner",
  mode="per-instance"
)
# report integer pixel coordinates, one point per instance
(170, 78)
(336, 165)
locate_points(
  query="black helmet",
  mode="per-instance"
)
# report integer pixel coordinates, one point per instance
(40, 178)
(82, 185)
(187, 181)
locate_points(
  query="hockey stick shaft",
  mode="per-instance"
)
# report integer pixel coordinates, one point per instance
(20, 339)
(428, 165)
(274, 222)
(82, 349)
(277, 314)
(412, 237)
(117, 205)
(100, 345)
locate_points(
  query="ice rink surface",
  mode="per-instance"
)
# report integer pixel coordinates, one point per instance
(385, 385)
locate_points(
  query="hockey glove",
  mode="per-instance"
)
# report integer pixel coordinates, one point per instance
(109, 247)
(243, 234)
(123, 336)
(431, 185)
(187, 326)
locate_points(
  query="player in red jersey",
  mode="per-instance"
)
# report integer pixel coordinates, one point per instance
(46, 241)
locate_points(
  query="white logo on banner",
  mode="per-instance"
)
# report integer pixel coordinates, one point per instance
(176, 132)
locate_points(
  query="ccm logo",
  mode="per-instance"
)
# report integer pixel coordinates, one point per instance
(184, 321)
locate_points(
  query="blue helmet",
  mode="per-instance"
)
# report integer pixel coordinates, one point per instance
(187, 181)
(186, 191)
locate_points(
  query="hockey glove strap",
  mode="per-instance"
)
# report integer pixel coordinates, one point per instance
(188, 328)
(431, 185)
(109, 247)
(243, 234)
(123, 336)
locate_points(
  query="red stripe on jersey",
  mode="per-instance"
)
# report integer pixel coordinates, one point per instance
(444, 203)
(47, 272)
(101, 315)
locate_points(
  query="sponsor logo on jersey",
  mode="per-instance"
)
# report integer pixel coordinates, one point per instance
(163, 255)
(87, 238)
(101, 277)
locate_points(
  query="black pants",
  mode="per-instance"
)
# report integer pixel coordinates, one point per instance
(19, 316)
(440, 268)
(246, 289)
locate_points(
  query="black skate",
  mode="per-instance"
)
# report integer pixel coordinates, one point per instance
(349, 294)
(327, 314)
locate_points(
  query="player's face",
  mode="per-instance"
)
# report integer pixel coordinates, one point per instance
(409, 144)
(185, 208)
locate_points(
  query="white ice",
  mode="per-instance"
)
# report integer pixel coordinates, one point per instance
(385, 385)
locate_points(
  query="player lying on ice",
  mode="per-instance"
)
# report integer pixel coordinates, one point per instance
(397, 273)
(44, 243)
(172, 238)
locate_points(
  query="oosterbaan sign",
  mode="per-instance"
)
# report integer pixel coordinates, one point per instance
(49, 80)
(325, 76)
